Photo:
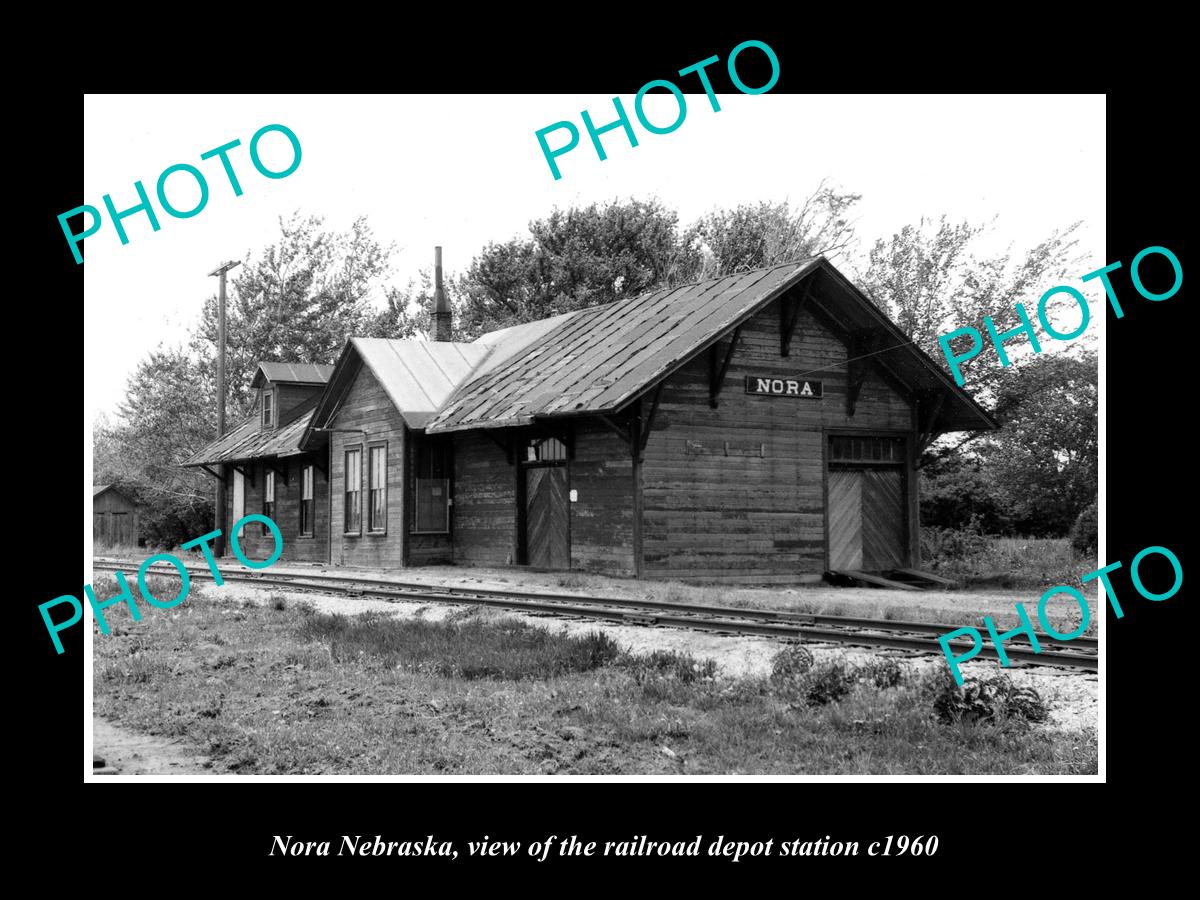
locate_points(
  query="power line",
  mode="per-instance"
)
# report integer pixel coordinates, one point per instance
(855, 359)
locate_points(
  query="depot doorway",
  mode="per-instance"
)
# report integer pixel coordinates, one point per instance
(865, 512)
(545, 505)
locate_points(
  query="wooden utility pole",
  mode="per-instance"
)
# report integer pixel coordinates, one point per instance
(221, 524)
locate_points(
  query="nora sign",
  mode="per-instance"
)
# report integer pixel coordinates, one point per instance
(783, 387)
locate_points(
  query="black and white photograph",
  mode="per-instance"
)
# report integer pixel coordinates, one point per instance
(699, 431)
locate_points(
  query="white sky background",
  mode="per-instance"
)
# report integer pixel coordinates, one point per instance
(460, 171)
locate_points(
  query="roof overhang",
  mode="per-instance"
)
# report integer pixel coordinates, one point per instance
(851, 315)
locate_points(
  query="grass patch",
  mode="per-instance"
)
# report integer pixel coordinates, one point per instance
(272, 691)
(976, 560)
(466, 649)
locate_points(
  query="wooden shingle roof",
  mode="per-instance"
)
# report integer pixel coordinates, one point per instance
(597, 360)
(249, 440)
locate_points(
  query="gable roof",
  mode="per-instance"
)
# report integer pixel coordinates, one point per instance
(420, 377)
(417, 376)
(599, 359)
(292, 373)
(98, 489)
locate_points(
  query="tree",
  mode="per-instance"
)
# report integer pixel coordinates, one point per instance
(582, 257)
(930, 278)
(957, 492)
(572, 259)
(1037, 472)
(301, 298)
(755, 235)
(1045, 457)
(164, 419)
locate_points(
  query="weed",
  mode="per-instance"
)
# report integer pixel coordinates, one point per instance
(572, 582)
(994, 700)
(883, 673)
(278, 602)
(828, 682)
(791, 663)
(668, 664)
(795, 677)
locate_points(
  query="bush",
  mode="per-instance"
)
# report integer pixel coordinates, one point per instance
(957, 495)
(993, 700)
(1085, 535)
(790, 663)
(828, 682)
(168, 521)
(796, 678)
(883, 673)
(943, 544)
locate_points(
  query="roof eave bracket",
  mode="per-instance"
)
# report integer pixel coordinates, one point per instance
(716, 373)
(789, 319)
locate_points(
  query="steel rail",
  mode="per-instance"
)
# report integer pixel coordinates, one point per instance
(827, 628)
(1086, 643)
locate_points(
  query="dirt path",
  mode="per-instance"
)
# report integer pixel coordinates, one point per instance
(132, 753)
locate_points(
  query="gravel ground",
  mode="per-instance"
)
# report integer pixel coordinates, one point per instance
(1073, 697)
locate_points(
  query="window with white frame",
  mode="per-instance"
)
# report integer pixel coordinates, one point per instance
(268, 409)
(377, 488)
(306, 501)
(353, 507)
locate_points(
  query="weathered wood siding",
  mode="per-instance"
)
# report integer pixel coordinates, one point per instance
(483, 517)
(367, 406)
(733, 514)
(601, 474)
(288, 397)
(114, 519)
(111, 501)
(257, 545)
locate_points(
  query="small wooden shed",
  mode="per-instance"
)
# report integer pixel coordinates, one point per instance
(114, 516)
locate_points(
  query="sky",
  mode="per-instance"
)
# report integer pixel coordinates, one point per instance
(462, 170)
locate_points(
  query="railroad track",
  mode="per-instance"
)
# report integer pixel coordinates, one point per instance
(1081, 653)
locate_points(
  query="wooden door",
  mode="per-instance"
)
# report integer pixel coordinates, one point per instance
(845, 519)
(100, 528)
(547, 518)
(866, 519)
(121, 532)
(882, 519)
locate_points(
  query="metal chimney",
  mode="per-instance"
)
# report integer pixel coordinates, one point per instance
(443, 320)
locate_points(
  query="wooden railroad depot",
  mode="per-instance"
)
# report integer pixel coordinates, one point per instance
(760, 427)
